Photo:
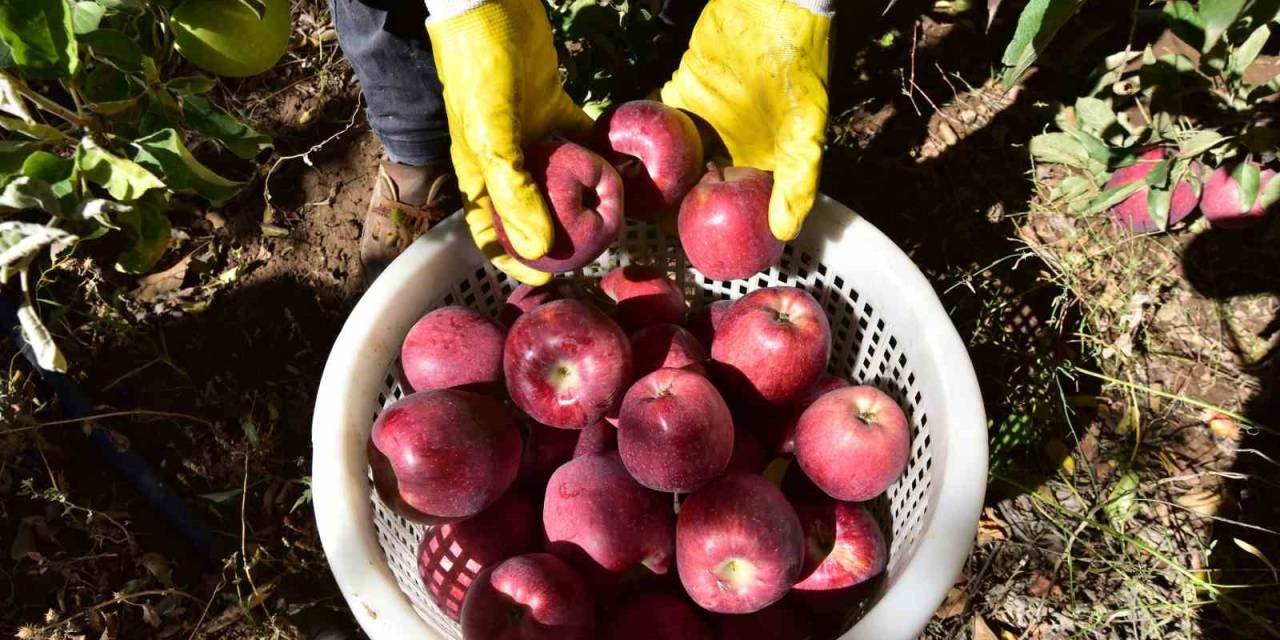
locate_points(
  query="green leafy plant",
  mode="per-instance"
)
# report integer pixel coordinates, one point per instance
(604, 45)
(94, 136)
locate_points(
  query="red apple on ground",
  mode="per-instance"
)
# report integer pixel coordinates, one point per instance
(546, 449)
(566, 364)
(748, 454)
(657, 151)
(853, 443)
(584, 194)
(1223, 203)
(600, 519)
(443, 455)
(526, 298)
(779, 621)
(843, 546)
(530, 597)
(704, 321)
(724, 224)
(771, 346)
(451, 555)
(666, 346)
(452, 347)
(1135, 212)
(657, 616)
(739, 545)
(645, 296)
(675, 432)
(783, 431)
(600, 437)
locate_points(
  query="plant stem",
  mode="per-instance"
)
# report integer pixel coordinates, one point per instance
(43, 102)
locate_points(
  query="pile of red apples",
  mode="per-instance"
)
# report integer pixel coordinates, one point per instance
(602, 462)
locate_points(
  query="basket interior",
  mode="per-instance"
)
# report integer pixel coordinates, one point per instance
(864, 350)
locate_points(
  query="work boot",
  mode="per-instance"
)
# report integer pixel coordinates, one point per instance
(406, 202)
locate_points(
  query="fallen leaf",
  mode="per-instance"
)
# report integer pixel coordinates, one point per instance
(1204, 502)
(980, 629)
(158, 566)
(1040, 586)
(157, 285)
(991, 528)
(1257, 553)
(957, 599)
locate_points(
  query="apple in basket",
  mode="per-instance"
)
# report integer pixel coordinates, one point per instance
(666, 346)
(675, 432)
(536, 596)
(771, 345)
(843, 549)
(739, 544)
(645, 296)
(585, 196)
(724, 224)
(782, 432)
(566, 364)
(600, 519)
(657, 151)
(452, 347)
(600, 437)
(704, 321)
(443, 455)
(862, 424)
(657, 615)
(451, 555)
(779, 621)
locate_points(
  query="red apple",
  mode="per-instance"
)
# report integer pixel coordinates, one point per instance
(675, 432)
(704, 321)
(452, 347)
(599, 518)
(1134, 213)
(585, 197)
(779, 621)
(526, 298)
(657, 151)
(739, 545)
(600, 437)
(530, 597)
(1223, 202)
(451, 555)
(853, 443)
(748, 454)
(645, 296)
(657, 616)
(666, 346)
(566, 364)
(844, 545)
(771, 346)
(782, 434)
(724, 224)
(546, 449)
(443, 455)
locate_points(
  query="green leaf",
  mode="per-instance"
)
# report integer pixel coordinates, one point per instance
(222, 497)
(205, 117)
(86, 16)
(1095, 115)
(99, 210)
(1244, 55)
(6, 56)
(1121, 501)
(124, 179)
(149, 229)
(1158, 201)
(1037, 25)
(258, 7)
(1198, 141)
(11, 100)
(164, 154)
(1159, 175)
(37, 337)
(1060, 148)
(1270, 193)
(42, 132)
(20, 242)
(1217, 16)
(1095, 146)
(1185, 22)
(115, 48)
(189, 85)
(24, 193)
(13, 155)
(40, 37)
(1247, 177)
(46, 166)
(1257, 553)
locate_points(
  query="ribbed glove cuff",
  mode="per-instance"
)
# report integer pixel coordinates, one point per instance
(442, 9)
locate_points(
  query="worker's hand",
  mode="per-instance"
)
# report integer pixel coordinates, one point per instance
(501, 90)
(756, 71)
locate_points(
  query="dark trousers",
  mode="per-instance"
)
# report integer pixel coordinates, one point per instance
(386, 43)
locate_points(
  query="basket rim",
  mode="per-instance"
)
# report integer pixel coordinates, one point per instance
(344, 513)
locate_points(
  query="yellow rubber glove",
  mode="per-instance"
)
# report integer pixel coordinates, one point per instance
(501, 90)
(756, 71)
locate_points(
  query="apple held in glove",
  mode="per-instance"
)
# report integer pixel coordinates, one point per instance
(675, 432)
(724, 224)
(452, 347)
(443, 455)
(566, 364)
(739, 545)
(585, 195)
(656, 150)
(853, 443)
(531, 597)
(771, 346)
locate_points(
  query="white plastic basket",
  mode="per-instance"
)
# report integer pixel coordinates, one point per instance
(888, 329)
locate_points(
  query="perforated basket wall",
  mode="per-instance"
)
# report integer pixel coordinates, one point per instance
(864, 350)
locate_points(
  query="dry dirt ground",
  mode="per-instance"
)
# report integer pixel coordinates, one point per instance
(229, 340)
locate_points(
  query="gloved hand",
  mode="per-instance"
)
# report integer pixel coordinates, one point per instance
(756, 71)
(501, 90)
